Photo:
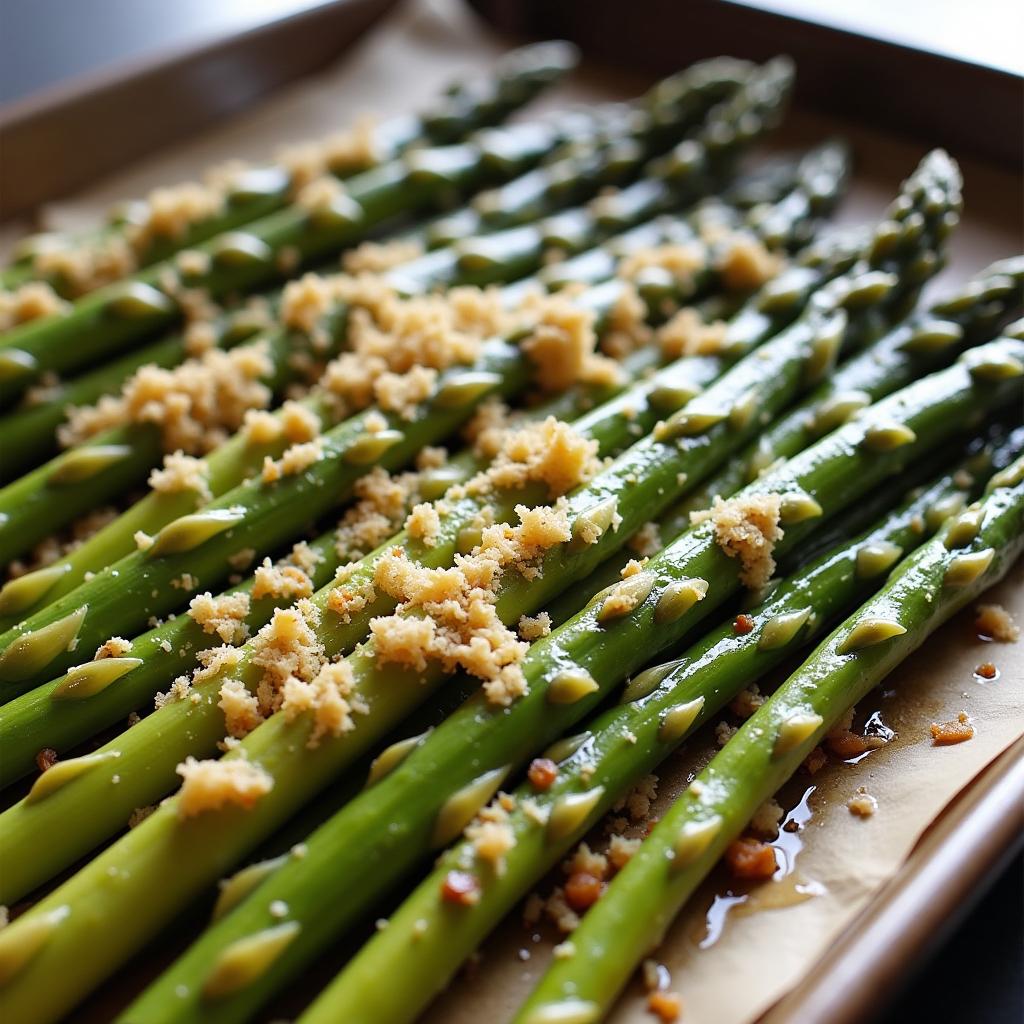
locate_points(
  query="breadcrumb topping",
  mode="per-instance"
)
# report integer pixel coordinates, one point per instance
(686, 334)
(328, 698)
(182, 472)
(746, 264)
(340, 153)
(562, 344)
(747, 527)
(211, 785)
(32, 301)
(378, 257)
(533, 628)
(196, 405)
(223, 615)
(115, 647)
(448, 616)
(424, 524)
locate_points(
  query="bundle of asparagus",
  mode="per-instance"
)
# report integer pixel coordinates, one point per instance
(653, 380)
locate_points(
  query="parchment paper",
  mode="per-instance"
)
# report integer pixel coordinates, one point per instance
(761, 952)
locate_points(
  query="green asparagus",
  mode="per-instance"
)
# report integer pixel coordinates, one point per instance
(238, 513)
(973, 552)
(465, 106)
(431, 934)
(382, 834)
(642, 479)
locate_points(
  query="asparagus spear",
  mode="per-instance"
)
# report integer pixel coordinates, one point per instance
(43, 718)
(150, 743)
(973, 552)
(925, 342)
(382, 834)
(30, 432)
(119, 316)
(244, 515)
(500, 258)
(429, 936)
(642, 478)
(111, 319)
(464, 107)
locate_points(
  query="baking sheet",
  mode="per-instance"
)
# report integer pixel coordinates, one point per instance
(844, 860)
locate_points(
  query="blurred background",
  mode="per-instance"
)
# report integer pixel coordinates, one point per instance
(88, 87)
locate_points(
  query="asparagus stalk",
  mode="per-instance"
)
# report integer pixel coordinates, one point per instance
(108, 320)
(382, 834)
(42, 717)
(925, 342)
(973, 552)
(500, 258)
(30, 432)
(241, 511)
(428, 936)
(159, 742)
(931, 338)
(120, 316)
(464, 107)
(643, 478)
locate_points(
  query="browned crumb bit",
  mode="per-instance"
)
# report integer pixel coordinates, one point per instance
(666, 1006)
(223, 615)
(724, 732)
(46, 758)
(862, 804)
(582, 890)
(534, 627)
(743, 625)
(946, 734)
(424, 524)
(210, 785)
(747, 701)
(765, 821)
(637, 803)
(241, 708)
(995, 622)
(986, 670)
(542, 773)
(460, 888)
(328, 698)
(815, 761)
(31, 301)
(845, 743)
(140, 814)
(686, 334)
(115, 647)
(751, 859)
(747, 527)
(681, 260)
(626, 327)
(621, 851)
(492, 836)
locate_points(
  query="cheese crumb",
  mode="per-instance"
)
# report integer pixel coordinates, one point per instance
(115, 647)
(210, 785)
(533, 628)
(747, 527)
(182, 472)
(223, 615)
